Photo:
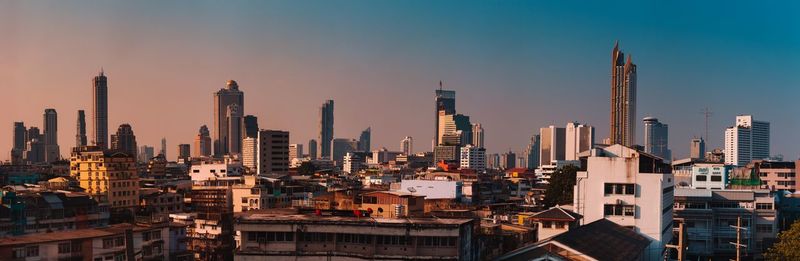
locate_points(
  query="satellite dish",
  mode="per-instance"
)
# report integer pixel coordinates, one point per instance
(411, 189)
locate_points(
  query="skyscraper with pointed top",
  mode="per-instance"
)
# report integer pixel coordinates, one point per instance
(222, 135)
(100, 110)
(623, 99)
(80, 133)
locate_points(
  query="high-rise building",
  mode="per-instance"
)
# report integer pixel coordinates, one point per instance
(340, 147)
(273, 151)
(579, 138)
(34, 147)
(697, 149)
(124, 140)
(18, 148)
(450, 124)
(312, 149)
(477, 135)
(364, 140)
(251, 126)
(163, 150)
(746, 141)
(146, 153)
(325, 129)
(51, 149)
(407, 145)
(353, 163)
(100, 110)
(235, 129)
(184, 151)
(80, 133)
(295, 151)
(623, 98)
(656, 138)
(473, 157)
(110, 177)
(445, 105)
(33, 134)
(552, 145)
(202, 143)
(250, 153)
(532, 152)
(223, 99)
(508, 160)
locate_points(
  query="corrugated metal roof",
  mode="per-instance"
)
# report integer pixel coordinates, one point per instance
(735, 195)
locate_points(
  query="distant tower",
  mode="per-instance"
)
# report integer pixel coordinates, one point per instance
(656, 138)
(100, 110)
(407, 145)
(222, 100)
(18, 148)
(580, 138)
(80, 134)
(445, 105)
(124, 140)
(51, 150)
(325, 129)
(163, 147)
(364, 140)
(235, 129)
(184, 151)
(250, 126)
(552, 145)
(202, 143)
(746, 141)
(532, 152)
(312, 149)
(477, 135)
(697, 149)
(623, 99)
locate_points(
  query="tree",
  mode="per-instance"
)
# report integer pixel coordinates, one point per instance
(562, 182)
(788, 246)
(306, 168)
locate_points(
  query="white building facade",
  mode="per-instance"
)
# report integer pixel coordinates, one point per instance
(473, 157)
(746, 141)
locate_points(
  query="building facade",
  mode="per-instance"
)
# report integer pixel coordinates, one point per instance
(100, 110)
(746, 141)
(325, 129)
(623, 98)
(273, 151)
(656, 138)
(108, 176)
(223, 115)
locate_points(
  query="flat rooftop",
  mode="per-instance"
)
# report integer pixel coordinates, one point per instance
(113, 230)
(292, 216)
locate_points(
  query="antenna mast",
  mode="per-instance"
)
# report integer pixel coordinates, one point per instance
(707, 114)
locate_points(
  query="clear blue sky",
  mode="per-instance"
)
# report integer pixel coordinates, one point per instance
(516, 65)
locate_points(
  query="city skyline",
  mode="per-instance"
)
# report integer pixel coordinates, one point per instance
(488, 81)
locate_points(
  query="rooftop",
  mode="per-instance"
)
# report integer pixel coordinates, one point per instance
(112, 230)
(293, 216)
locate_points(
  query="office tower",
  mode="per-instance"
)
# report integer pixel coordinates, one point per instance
(273, 151)
(18, 148)
(235, 129)
(353, 163)
(163, 151)
(364, 140)
(325, 129)
(623, 99)
(579, 138)
(295, 151)
(184, 151)
(250, 126)
(407, 145)
(100, 110)
(250, 153)
(340, 147)
(51, 150)
(477, 135)
(202, 143)
(124, 140)
(656, 138)
(117, 171)
(80, 134)
(450, 124)
(223, 99)
(697, 149)
(552, 145)
(146, 153)
(473, 157)
(532, 152)
(746, 141)
(312, 149)
(508, 160)
(33, 134)
(632, 189)
(445, 105)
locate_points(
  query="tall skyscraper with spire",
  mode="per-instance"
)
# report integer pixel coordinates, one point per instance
(51, 150)
(124, 140)
(202, 143)
(80, 133)
(100, 110)
(223, 99)
(325, 129)
(623, 99)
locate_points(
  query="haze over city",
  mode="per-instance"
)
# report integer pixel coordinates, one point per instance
(515, 66)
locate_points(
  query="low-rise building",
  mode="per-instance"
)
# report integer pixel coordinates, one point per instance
(393, 204)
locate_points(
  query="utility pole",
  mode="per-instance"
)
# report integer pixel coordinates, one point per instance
(681, 242)
(738, 243)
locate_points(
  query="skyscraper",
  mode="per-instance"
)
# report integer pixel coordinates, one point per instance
(340, 147)
(579, 138)
(272, 153)
(697, 149)
(477, 135)
(235, 129)
(508, 160)
(51, 150)
(445, 104)
(407, 145)
(250, 126)
(124, 140)
(222, 100)
(184, 151)
(532, 152)
(452, 124)
(80, 133)
(623, 98)
(295, 151)
(18, 148)
(364, 140)
(312, 148)
(100, 110)
(656, 138)
(552, 145)
(163, 151)
(250, 153)
(202, 143)
(746, 141)
(325, 129)
(146, 153)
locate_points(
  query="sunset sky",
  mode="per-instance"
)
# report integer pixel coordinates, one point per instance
(516, 66)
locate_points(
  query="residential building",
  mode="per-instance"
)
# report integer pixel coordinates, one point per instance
(433, 189)
(250, 153)
(393, 204)
(623, 99)
(162, 203)
(108, 176)
(407, 145)
(224, 115)
(124, 140)
(477, 135)
(630, 188)
(473, 157)
(353, 163)
(100, 111)
(30, 212)
(746, 141)
(656, 138)
(209, 170)
(273, 151)
(552, 145)
(325, 130)
(776, 175)
(553, 222)
(579, 138)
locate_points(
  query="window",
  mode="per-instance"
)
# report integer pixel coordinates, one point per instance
(32, 251)
(763, 205)
(619, 210)
(108, 243)
(716, 178)
(18, 253)
(619, 189)
(64, 248)
(700, 178)
(763, 228)
(370, 200)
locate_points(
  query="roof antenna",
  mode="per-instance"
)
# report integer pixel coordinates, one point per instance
(440, 85)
